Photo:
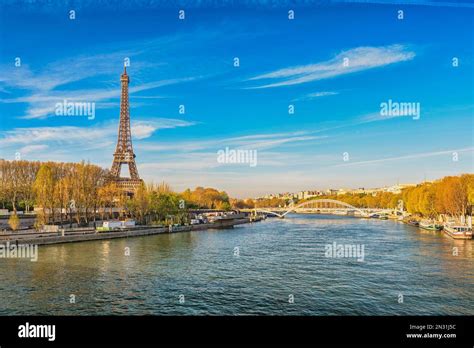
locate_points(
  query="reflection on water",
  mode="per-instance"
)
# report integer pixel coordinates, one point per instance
(276, 258)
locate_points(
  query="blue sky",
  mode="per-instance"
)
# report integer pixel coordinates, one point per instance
(282, 62)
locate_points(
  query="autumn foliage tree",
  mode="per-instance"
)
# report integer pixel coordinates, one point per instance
(43, 188)
(80, 192)
(209, 198)
(452, 195)
(16, 183)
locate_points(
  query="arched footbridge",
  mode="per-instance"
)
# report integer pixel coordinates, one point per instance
(320, 205)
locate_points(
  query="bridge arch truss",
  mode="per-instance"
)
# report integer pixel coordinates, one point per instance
(313, 202)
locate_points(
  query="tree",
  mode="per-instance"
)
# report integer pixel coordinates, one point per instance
(109, 196)
(44, 193)
(139, 205)
(14, 222)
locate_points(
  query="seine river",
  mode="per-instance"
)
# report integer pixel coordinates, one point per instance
(274, 267)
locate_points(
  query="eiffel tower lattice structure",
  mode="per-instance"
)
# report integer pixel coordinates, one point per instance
(124, 149)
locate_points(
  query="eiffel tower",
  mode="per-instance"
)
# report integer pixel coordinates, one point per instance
(124, 150)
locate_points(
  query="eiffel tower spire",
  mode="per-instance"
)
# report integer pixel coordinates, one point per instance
(124, 150)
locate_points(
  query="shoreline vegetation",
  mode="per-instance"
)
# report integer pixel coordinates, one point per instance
(83, 193)
(450, 197)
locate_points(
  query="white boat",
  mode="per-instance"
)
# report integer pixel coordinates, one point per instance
(458, 231)
(430, 225)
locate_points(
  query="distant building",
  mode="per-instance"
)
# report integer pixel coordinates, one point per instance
(360, 190)
(396, 189)
(308, 194)
(332, 192)
(302, 195)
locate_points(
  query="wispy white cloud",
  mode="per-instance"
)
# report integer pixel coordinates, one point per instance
(61, 72)
(253, 142)
(95, 136)
(346, 62)
(29, 149)
(316, 95)
(206, 162)
(321, 94)
(144, 129)
(406, 157)
(45, 86)
(377, 116)
(41, 104)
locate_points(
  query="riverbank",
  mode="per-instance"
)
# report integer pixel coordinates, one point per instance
(46, 238)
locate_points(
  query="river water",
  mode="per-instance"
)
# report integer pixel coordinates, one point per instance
(274, 267)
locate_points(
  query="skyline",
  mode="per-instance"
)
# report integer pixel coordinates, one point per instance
(190, 62)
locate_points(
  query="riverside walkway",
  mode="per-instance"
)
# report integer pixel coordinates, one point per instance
(45, 238)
